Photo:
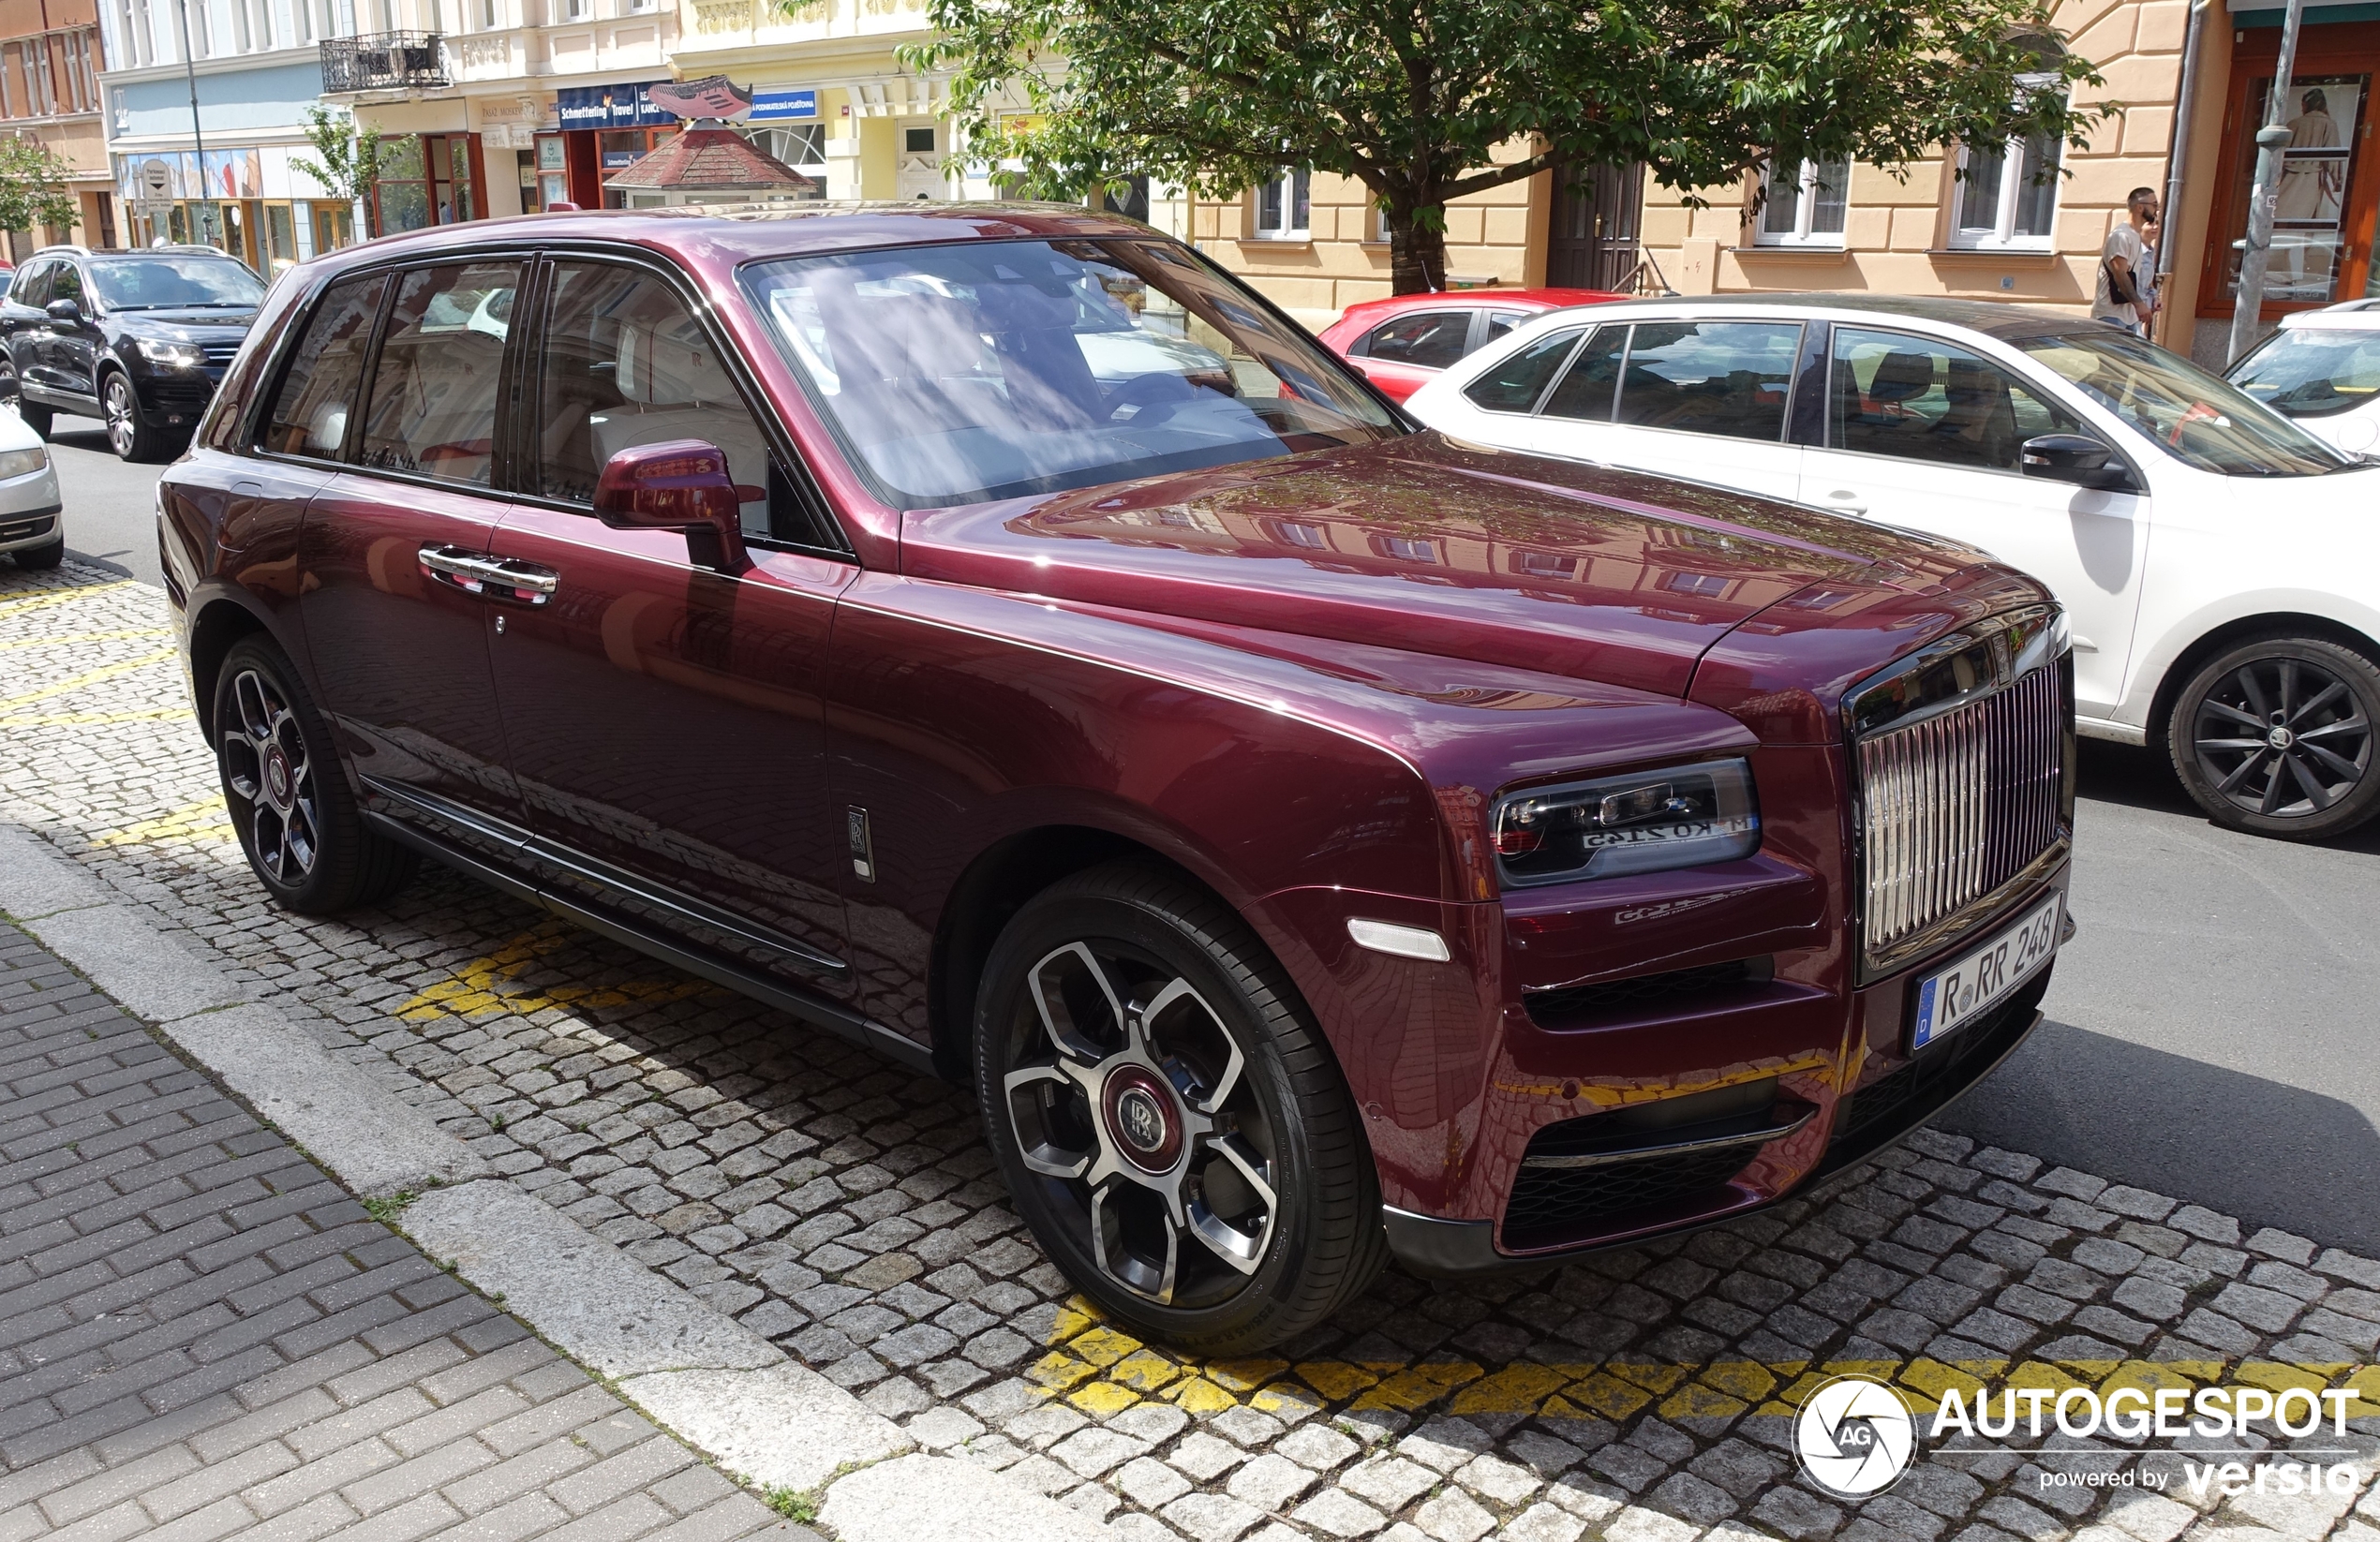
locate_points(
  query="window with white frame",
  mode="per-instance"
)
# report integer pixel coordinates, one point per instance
(490, 14)
(1284, 206)
(1802, 204)
(2007, 194)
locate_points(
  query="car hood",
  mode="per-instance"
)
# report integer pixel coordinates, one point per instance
(1447, 548)
(185, 326)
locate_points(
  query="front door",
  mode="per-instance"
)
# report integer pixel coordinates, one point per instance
(1591, 240)
(1705, 401)
(1924, 434)
(667, 720)
(72, 358)
(398, 604)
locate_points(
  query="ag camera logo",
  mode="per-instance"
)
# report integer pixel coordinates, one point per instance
(1854, 1436)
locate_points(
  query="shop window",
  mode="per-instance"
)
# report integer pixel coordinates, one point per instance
(917, 141)
(553, 173)
(797, 144)
(425, 182)
(1284, 206)
(1802, 204)
(2324, 116)
(334, 227)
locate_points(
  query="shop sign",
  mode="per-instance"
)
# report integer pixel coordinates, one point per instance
(611, 106)
(778, 103)
(712, 97)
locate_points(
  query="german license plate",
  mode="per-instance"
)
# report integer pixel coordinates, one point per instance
(1949, 999)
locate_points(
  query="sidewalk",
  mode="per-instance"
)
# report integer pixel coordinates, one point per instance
(201, 1334)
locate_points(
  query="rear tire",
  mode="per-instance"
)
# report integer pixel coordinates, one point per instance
(35, 558)
(1170, 1121)
(288, 795)
(2274, 737)
(37, 417)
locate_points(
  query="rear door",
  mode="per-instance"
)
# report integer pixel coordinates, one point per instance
(1701, 400)
(398, 596)
(1926, 435)
(667, 720)
(26, 325)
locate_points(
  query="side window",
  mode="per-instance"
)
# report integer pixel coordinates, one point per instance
(1430, 339)
(309, 413)
(1586, 393)
(1501, 322)
(66, 283)
(1514, 384)
(1729, 377)
(442, 365)
(32, 287)
(1918, 399)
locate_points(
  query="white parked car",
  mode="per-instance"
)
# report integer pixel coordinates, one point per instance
(2219, 565)
(32, 520)
(2322, 371)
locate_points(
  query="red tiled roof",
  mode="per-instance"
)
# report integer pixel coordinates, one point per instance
(709, 157)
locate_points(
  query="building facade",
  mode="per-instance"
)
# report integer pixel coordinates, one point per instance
(51, 57)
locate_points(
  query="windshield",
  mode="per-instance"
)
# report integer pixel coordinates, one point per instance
(157, 282)
(2312, 372)
(998, 369)
(2188, 414)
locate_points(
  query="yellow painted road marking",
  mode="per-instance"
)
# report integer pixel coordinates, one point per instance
(489, 984)
(89, 676)
(191, 822)
(80, 719)
(57, 597)
(65, 638)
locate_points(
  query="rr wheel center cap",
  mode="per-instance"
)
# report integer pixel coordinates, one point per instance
(1138, 1108)
(2281, 738)
(280, 784)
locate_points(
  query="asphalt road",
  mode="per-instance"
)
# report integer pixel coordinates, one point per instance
(2211, 1028)
(110, 505)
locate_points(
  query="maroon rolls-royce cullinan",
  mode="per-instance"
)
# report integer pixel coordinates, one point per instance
(994, 634)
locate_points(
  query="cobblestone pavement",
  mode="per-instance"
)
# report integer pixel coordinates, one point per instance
(850, 1211)
(201, 1334)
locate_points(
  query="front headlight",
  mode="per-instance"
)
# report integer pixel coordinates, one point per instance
(173, 355)
(23, 463)
(1640, 822)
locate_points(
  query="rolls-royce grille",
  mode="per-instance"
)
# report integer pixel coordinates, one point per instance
(1957, 804)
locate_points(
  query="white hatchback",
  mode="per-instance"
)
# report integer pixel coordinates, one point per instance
(2219, 565)
(2322, 371)
(32, 521)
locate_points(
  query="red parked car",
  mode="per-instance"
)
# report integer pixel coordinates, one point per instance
(996, 635)
(1398, 343)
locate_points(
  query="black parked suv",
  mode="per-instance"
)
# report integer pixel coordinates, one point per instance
(136, 338)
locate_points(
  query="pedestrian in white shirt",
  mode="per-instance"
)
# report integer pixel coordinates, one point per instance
(2124, 297)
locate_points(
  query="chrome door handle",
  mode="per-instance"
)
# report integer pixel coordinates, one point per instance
(1842, 500)
(495, 578)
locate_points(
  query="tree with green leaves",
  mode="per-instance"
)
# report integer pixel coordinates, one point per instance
(33, 187)
(1414, 99)
(348, 158)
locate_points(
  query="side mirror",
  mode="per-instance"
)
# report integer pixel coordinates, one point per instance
(678, 484)
(2077, 458)
(63, 313)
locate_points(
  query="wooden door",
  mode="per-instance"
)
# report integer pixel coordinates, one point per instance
(1591, 241)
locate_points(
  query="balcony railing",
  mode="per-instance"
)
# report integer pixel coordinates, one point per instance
(384, 61)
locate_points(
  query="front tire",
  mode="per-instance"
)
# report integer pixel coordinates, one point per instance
(35, 558)
(2274, 737)
(288, 800)
(129, 434)
(1168, 1118)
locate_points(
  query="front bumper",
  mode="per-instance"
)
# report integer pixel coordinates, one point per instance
(175, 398)
(1815, 1082)
(31, 528)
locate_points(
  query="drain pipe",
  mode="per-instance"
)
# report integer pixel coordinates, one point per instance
(2177, 159)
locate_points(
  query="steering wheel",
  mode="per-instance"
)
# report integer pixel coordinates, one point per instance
(1149, 390)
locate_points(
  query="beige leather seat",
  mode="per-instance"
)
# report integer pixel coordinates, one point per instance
(674, 387)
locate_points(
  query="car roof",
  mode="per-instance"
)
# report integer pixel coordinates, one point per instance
(739, 232)
(1539, 299)
(2348, 315)
(1993, 318)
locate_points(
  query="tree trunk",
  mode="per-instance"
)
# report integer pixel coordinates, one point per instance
(1417, 253)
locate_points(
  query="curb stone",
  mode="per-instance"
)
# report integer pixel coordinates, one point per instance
(715, 1384)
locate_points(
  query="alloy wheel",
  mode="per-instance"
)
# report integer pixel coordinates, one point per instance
(267, 767)
(1127, 1099)
(2282, 737)
(122, 430)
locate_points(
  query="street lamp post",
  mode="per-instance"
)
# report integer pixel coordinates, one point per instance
(190, 70)
(2272, 145)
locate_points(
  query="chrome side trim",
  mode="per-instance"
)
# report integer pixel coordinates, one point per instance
(1681, 1147)
(553, 855)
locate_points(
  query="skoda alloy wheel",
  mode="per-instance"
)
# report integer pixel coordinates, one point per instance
(287, 797)
(1171, 1123)
(2275, 736)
